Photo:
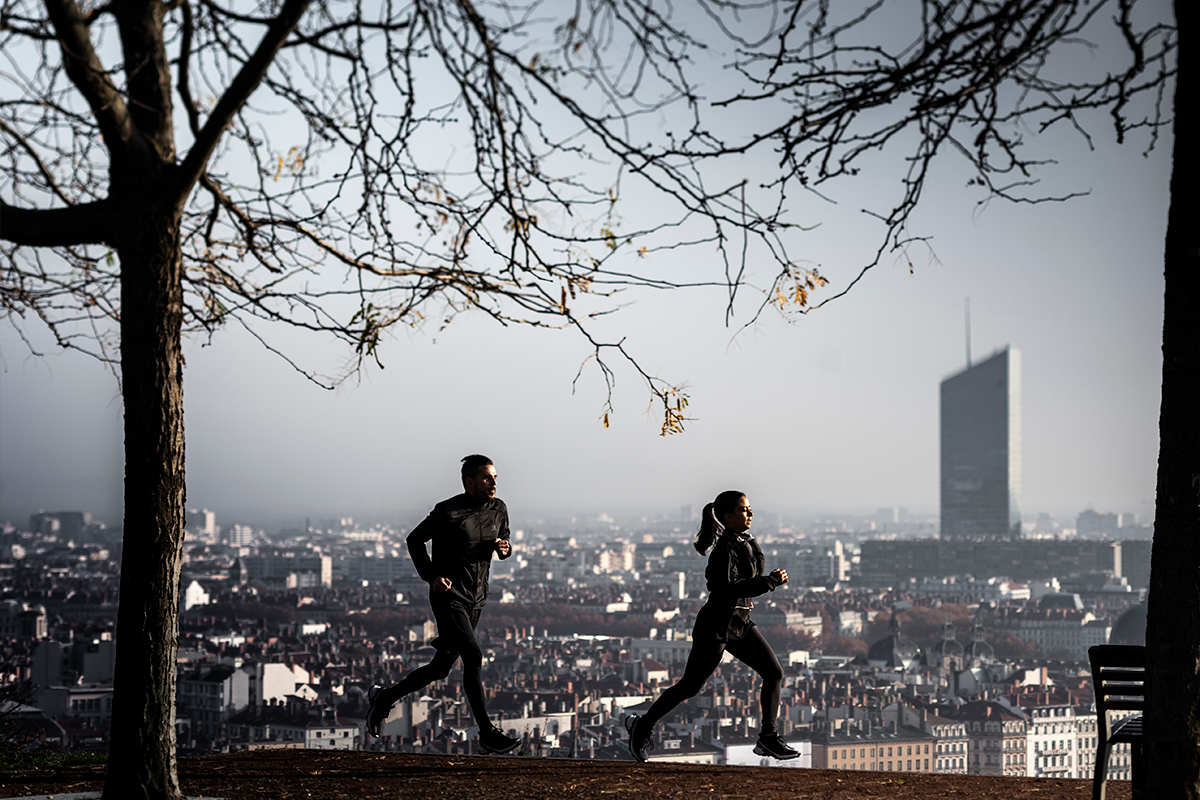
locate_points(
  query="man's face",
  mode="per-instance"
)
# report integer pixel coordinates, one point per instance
(483, 485)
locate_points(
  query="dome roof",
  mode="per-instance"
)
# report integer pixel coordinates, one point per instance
(1130, 627)
(978, 648)
(947, 647)
(981, 650)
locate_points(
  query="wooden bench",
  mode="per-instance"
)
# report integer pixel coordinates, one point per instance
(1119, 677)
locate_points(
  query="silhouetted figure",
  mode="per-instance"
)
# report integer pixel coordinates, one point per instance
(734, 575)
(465, 531)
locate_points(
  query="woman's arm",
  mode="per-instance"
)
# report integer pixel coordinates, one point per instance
(723, 579)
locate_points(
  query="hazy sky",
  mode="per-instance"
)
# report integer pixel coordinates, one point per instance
(837, 412)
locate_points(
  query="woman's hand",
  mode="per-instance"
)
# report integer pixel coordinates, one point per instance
(780, 575)
(503, 547)
(440, 585)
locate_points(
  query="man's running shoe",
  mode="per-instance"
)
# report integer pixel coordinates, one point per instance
(771, 745)
(376, 713)
(640, 750)
(493, 740)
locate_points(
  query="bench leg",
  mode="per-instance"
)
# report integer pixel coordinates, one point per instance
(1139, 774)
(1100, 775)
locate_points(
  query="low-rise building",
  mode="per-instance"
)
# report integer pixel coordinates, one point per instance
(997, 742)
(890, 748)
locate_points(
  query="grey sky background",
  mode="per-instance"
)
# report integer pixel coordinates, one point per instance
(834, 413)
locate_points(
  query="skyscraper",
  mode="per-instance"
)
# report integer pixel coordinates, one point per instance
(981, 450)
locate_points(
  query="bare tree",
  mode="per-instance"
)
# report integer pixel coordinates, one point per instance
(342, 167)
(347, 167)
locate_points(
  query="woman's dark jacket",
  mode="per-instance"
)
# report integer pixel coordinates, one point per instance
(735, 574)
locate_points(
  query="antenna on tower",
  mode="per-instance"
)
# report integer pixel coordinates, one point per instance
(968, 333)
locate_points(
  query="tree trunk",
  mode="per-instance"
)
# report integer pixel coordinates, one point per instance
(142, 750)
(1173, 626)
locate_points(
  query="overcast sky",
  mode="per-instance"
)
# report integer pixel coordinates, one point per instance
(835, 413)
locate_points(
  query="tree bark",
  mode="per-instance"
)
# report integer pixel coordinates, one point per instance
(1173, 625)
(142, 750)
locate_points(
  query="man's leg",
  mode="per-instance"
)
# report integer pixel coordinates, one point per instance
(457, 623)
(419, 678)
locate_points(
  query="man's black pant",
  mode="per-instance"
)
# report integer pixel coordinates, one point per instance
(456, 639)
(752, 649)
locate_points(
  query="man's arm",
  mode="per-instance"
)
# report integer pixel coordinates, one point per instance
(416, 541)
(503, 548)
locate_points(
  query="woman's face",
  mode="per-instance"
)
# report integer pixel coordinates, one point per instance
(740, 518)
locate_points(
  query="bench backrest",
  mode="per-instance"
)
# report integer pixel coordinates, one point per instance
(1119, 677)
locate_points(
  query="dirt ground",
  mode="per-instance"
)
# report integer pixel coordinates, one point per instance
(308, 774)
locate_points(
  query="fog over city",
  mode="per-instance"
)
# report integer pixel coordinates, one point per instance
(837, 412)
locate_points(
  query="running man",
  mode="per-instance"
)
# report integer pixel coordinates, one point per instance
(465, 531)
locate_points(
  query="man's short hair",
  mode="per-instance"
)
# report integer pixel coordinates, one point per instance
(472, 464)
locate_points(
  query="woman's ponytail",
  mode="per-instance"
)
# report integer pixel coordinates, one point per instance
(710, 521)
(710, 529)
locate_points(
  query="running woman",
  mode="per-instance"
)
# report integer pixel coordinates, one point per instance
(734, 574)
(465, 531)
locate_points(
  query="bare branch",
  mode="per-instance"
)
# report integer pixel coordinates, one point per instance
(91, 79)
(87, 223)
(246, 81)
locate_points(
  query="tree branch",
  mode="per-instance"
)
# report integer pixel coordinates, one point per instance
(89, 76)
(243, 85)
(88, 223)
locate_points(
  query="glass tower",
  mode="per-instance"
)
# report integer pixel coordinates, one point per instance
(981, 450)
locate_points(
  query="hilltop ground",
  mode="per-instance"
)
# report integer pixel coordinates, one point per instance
(316, 774)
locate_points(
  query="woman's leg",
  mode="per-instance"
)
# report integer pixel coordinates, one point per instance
(702, 661)
(753, 650)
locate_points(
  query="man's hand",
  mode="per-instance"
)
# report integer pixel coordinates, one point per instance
(439, 585)
(779, 575)
(503, 547)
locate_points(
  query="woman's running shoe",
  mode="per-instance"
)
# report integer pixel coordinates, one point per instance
(376, 713)
(640, 750)
(493, 740)
(771, 745)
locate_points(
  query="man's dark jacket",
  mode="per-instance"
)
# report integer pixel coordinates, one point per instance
(464, 530)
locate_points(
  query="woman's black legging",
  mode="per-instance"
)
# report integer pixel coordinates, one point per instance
(752, 650)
